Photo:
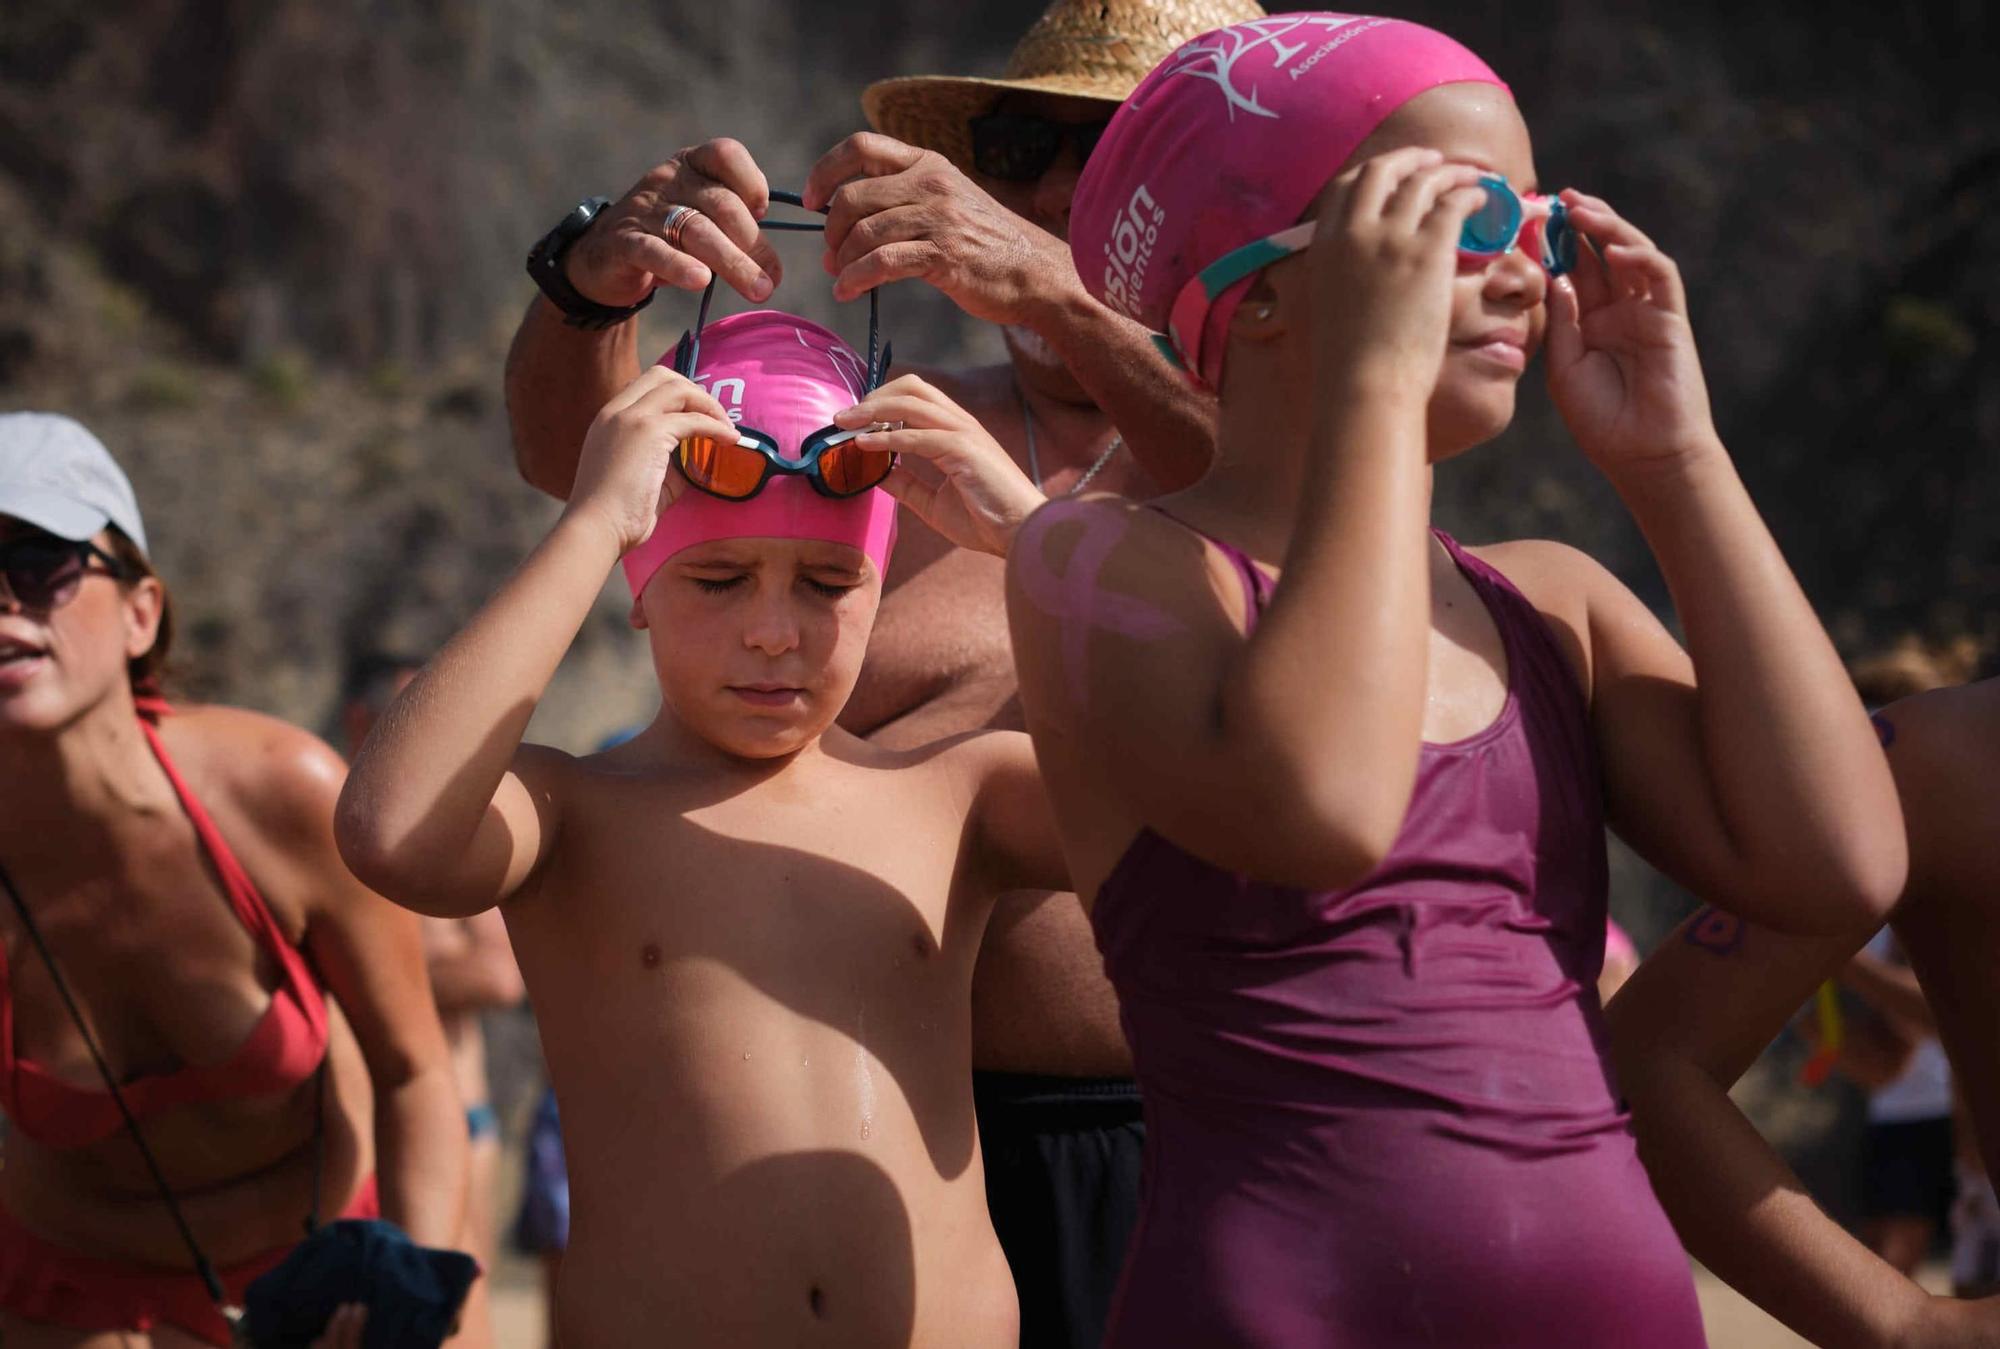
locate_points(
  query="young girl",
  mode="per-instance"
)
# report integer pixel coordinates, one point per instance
(1334, 784)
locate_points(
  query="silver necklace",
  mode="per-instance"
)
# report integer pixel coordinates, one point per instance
(1034, 463)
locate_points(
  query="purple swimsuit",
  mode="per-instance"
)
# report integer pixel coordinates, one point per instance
(1385, 1116)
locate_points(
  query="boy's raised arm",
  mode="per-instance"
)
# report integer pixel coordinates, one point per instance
(445, 811)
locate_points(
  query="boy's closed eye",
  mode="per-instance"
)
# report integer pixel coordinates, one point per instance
(717, 584)
(831, 582)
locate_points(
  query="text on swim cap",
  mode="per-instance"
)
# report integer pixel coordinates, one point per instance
(728, 392)
(1129, 250)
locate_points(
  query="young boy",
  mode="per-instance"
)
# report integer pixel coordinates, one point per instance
(749, 936)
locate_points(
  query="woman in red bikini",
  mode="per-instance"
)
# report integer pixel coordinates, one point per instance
(174, 872)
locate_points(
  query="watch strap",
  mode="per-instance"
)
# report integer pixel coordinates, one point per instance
(545, 265)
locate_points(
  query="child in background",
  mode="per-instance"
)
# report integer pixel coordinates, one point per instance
(471, 968)
(1335, 785)
(1892, 1049)
(748, 936)
(1709, 998)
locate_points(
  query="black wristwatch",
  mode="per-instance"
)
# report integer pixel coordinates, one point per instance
(545, 264)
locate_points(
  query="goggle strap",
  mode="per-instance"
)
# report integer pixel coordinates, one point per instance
(687, 355)
(1558, 240)
(875, 361)
(1190, 310)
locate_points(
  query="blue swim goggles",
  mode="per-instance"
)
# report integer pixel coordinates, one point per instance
(1506, 220)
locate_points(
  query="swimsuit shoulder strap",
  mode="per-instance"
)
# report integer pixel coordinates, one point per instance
(1524, 630)
(1256, 585)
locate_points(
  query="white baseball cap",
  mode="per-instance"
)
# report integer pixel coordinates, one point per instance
(58, 477)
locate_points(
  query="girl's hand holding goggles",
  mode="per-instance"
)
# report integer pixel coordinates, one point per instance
(1507, 220)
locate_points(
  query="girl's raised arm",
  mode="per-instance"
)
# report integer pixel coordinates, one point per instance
(1745, 767)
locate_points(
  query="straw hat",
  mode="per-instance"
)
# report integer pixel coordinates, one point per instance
(1086, 48)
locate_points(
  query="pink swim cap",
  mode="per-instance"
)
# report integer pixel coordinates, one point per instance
(784, 376)
(1229, 140)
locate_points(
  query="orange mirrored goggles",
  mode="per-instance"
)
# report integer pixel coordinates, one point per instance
(830, 460)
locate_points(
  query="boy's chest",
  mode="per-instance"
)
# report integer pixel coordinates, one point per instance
(803, 893)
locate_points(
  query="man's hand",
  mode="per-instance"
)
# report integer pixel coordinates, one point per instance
(895, 212)
(624, 255)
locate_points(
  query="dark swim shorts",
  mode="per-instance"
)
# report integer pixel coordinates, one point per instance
(1062, 1183)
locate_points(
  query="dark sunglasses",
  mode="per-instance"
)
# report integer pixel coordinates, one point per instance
(1018, 148)
(43, 572)
(828, 459)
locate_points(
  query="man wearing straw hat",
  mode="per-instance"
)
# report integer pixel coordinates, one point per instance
(964, 184)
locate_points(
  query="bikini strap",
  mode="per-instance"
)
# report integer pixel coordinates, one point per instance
(236, 883)
(244, 898)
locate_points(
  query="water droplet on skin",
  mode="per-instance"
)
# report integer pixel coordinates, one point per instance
(864, 1128)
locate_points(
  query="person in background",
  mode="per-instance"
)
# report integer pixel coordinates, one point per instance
(1710, 997)
(181, 941)
(470, 962)
(1908, 1179)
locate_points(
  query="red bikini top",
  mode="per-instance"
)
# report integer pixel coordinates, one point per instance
(282, 1051)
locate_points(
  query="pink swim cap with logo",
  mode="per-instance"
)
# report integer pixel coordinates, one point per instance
(784, 376)
(1229, 140)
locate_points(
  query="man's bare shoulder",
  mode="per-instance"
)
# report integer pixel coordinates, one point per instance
(964, 761)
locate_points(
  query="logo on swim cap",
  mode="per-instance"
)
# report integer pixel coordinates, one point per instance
(1129, 249)
(1215, 58)
(733, 391)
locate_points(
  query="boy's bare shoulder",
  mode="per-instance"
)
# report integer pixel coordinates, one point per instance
(548, 772)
